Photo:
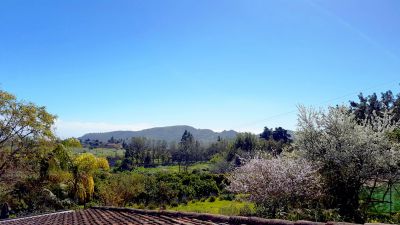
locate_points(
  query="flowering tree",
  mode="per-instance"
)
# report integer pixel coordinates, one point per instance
(351, 154)
(276, 184)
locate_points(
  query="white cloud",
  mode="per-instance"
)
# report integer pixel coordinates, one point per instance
(65, 129)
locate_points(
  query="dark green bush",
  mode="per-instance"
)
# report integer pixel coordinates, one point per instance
(174, 204)
(227, 197)
(212, 199)
(246, 211)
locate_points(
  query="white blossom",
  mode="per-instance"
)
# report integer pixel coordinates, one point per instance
(278, 179)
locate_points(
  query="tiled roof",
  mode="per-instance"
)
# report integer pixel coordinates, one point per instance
(111, 215)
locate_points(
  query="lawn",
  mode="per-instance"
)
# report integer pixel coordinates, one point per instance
(174, 169)
(101, 152)
(223, 207)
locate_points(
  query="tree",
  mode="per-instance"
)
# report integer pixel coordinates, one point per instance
(280, 134)
(244, 146)
(366, 107)
(164, 154)
(112, 140)
(56, 165)
(246, 142)
(219, 147)
(351, 153)
(266, 134)
(71, 143)
(185, 147)
(278, 184)
(274, 140)
(77, 173)
(136, 150)
(25, 130)
(85, 166)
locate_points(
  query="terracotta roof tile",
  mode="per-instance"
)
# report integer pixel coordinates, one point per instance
(112, 215)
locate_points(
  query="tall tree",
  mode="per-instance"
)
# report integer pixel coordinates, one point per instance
(185, 148)
(351, 154)
(280, 134)
(136, 150)
(246, 142)
(368, 107)
(266, 134)
(24, 129)
(244, 146)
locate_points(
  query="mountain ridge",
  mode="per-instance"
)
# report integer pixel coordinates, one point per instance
(167, 133)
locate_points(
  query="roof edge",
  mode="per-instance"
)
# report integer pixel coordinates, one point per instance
(30, 217)
(224, 219)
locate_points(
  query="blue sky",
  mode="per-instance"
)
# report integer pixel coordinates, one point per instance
(219, 64)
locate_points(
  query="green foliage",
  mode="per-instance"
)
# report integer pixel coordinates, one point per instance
(246, 142)
(85, 166)
(351, 154)
(278, 134)
(228, 197)
(310, 214)
(120, 189)
(199, 167)
(25, 134)
(101, 152)
(224, 207)
(156, 189)
(368, 107)
(395, 135)
(248, 145)
(212, 199)
(357, 156)
(26, 138)
(71, 143)
(186, 149)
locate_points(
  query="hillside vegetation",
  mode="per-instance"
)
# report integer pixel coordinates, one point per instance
(343, 165)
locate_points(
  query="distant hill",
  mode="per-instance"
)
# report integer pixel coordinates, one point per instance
(171, 133)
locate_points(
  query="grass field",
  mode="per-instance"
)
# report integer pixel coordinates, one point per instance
(101, 152)
(174, 168)
(223, 207)
(104, 152)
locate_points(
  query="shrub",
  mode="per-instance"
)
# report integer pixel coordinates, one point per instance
(174, 204)
(229, 210)
(212, 199)
(121, 189)
(228, 197)
(277, 184)
(246, 210)
(184, 202)
(152, 206)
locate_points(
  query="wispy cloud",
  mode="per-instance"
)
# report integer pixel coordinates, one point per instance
(65, 129)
